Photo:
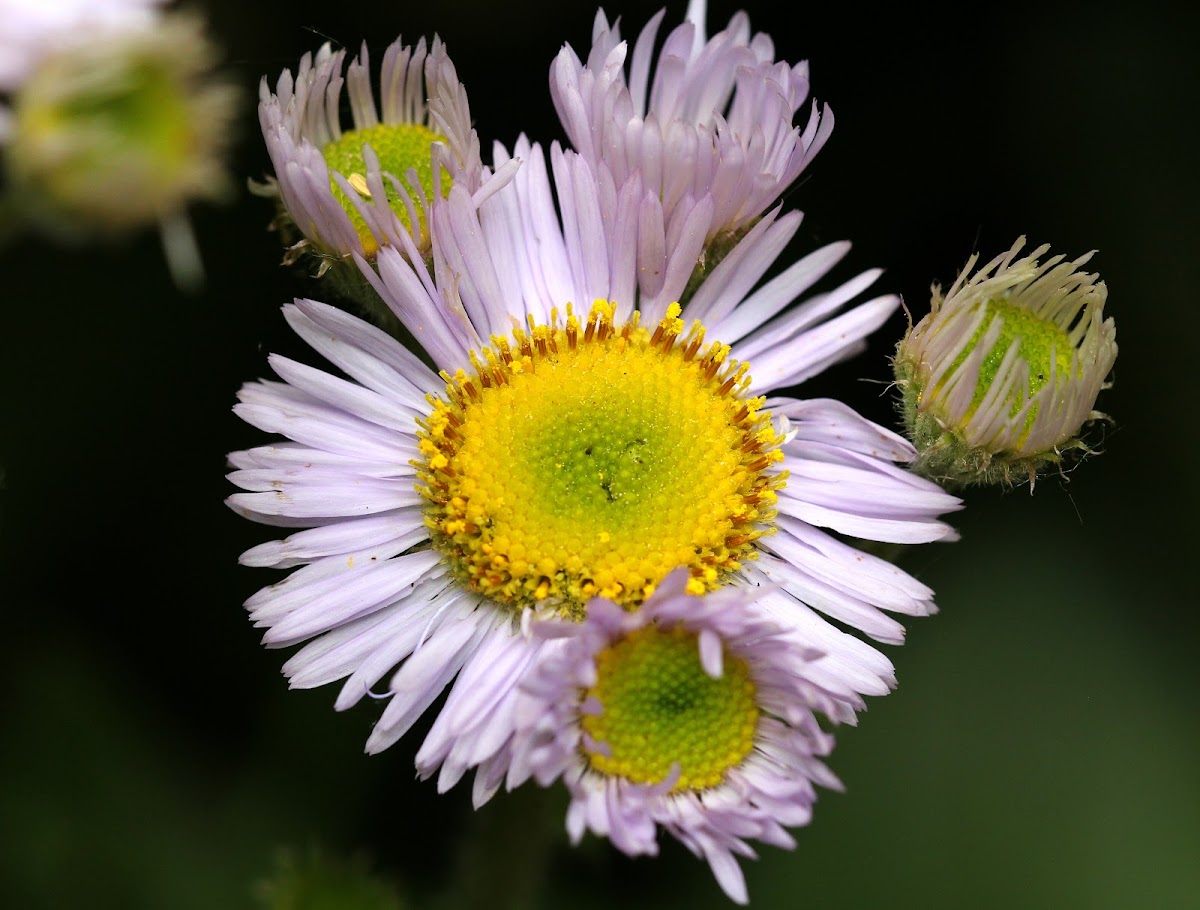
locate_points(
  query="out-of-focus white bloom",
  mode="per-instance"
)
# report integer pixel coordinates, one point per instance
(1000, 377)
(114, 120)
(29, 29)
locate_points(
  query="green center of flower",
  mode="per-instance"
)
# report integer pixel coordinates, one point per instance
(603, 464)
(592, 460)
(399, 146)
(659, 708)
(1040, 342)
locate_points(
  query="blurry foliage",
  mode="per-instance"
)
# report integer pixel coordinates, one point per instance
(309, 880)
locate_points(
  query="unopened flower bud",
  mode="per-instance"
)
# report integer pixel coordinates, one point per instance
(1000, 377)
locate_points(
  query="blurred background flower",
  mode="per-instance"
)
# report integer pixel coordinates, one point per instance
(1041, 748)
(111, 119)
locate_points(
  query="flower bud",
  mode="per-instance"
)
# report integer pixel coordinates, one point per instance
(1000, 377)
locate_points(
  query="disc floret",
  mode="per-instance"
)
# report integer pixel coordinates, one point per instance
(584, 459)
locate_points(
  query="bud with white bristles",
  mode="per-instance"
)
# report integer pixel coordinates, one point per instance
(999, 379)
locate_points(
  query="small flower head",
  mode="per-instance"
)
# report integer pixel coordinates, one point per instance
(1000, 377)
(352, 191)
(710, 133)
(691, 713)
(118, 123)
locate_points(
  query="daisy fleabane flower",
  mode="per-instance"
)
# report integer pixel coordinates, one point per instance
(999, 379)
(707, 127)
(111, 119)
(357, 189)
(580, 441)
(693, 714)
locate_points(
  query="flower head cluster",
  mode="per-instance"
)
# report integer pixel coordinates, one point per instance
(594, 524)
(113, 119)
(1000, 377)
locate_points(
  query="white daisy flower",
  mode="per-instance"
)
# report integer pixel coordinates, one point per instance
(355, 190)
(707, 129)
(1000, 377)
(690, 713)
(112, 120)
(563, 455)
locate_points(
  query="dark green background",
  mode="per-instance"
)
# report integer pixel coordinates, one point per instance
(1043, 746)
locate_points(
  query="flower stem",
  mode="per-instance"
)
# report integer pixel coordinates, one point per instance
(504, 857)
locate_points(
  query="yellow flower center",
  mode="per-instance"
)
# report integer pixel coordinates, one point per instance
(658, 708)
(399, 146)
(592, 460)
